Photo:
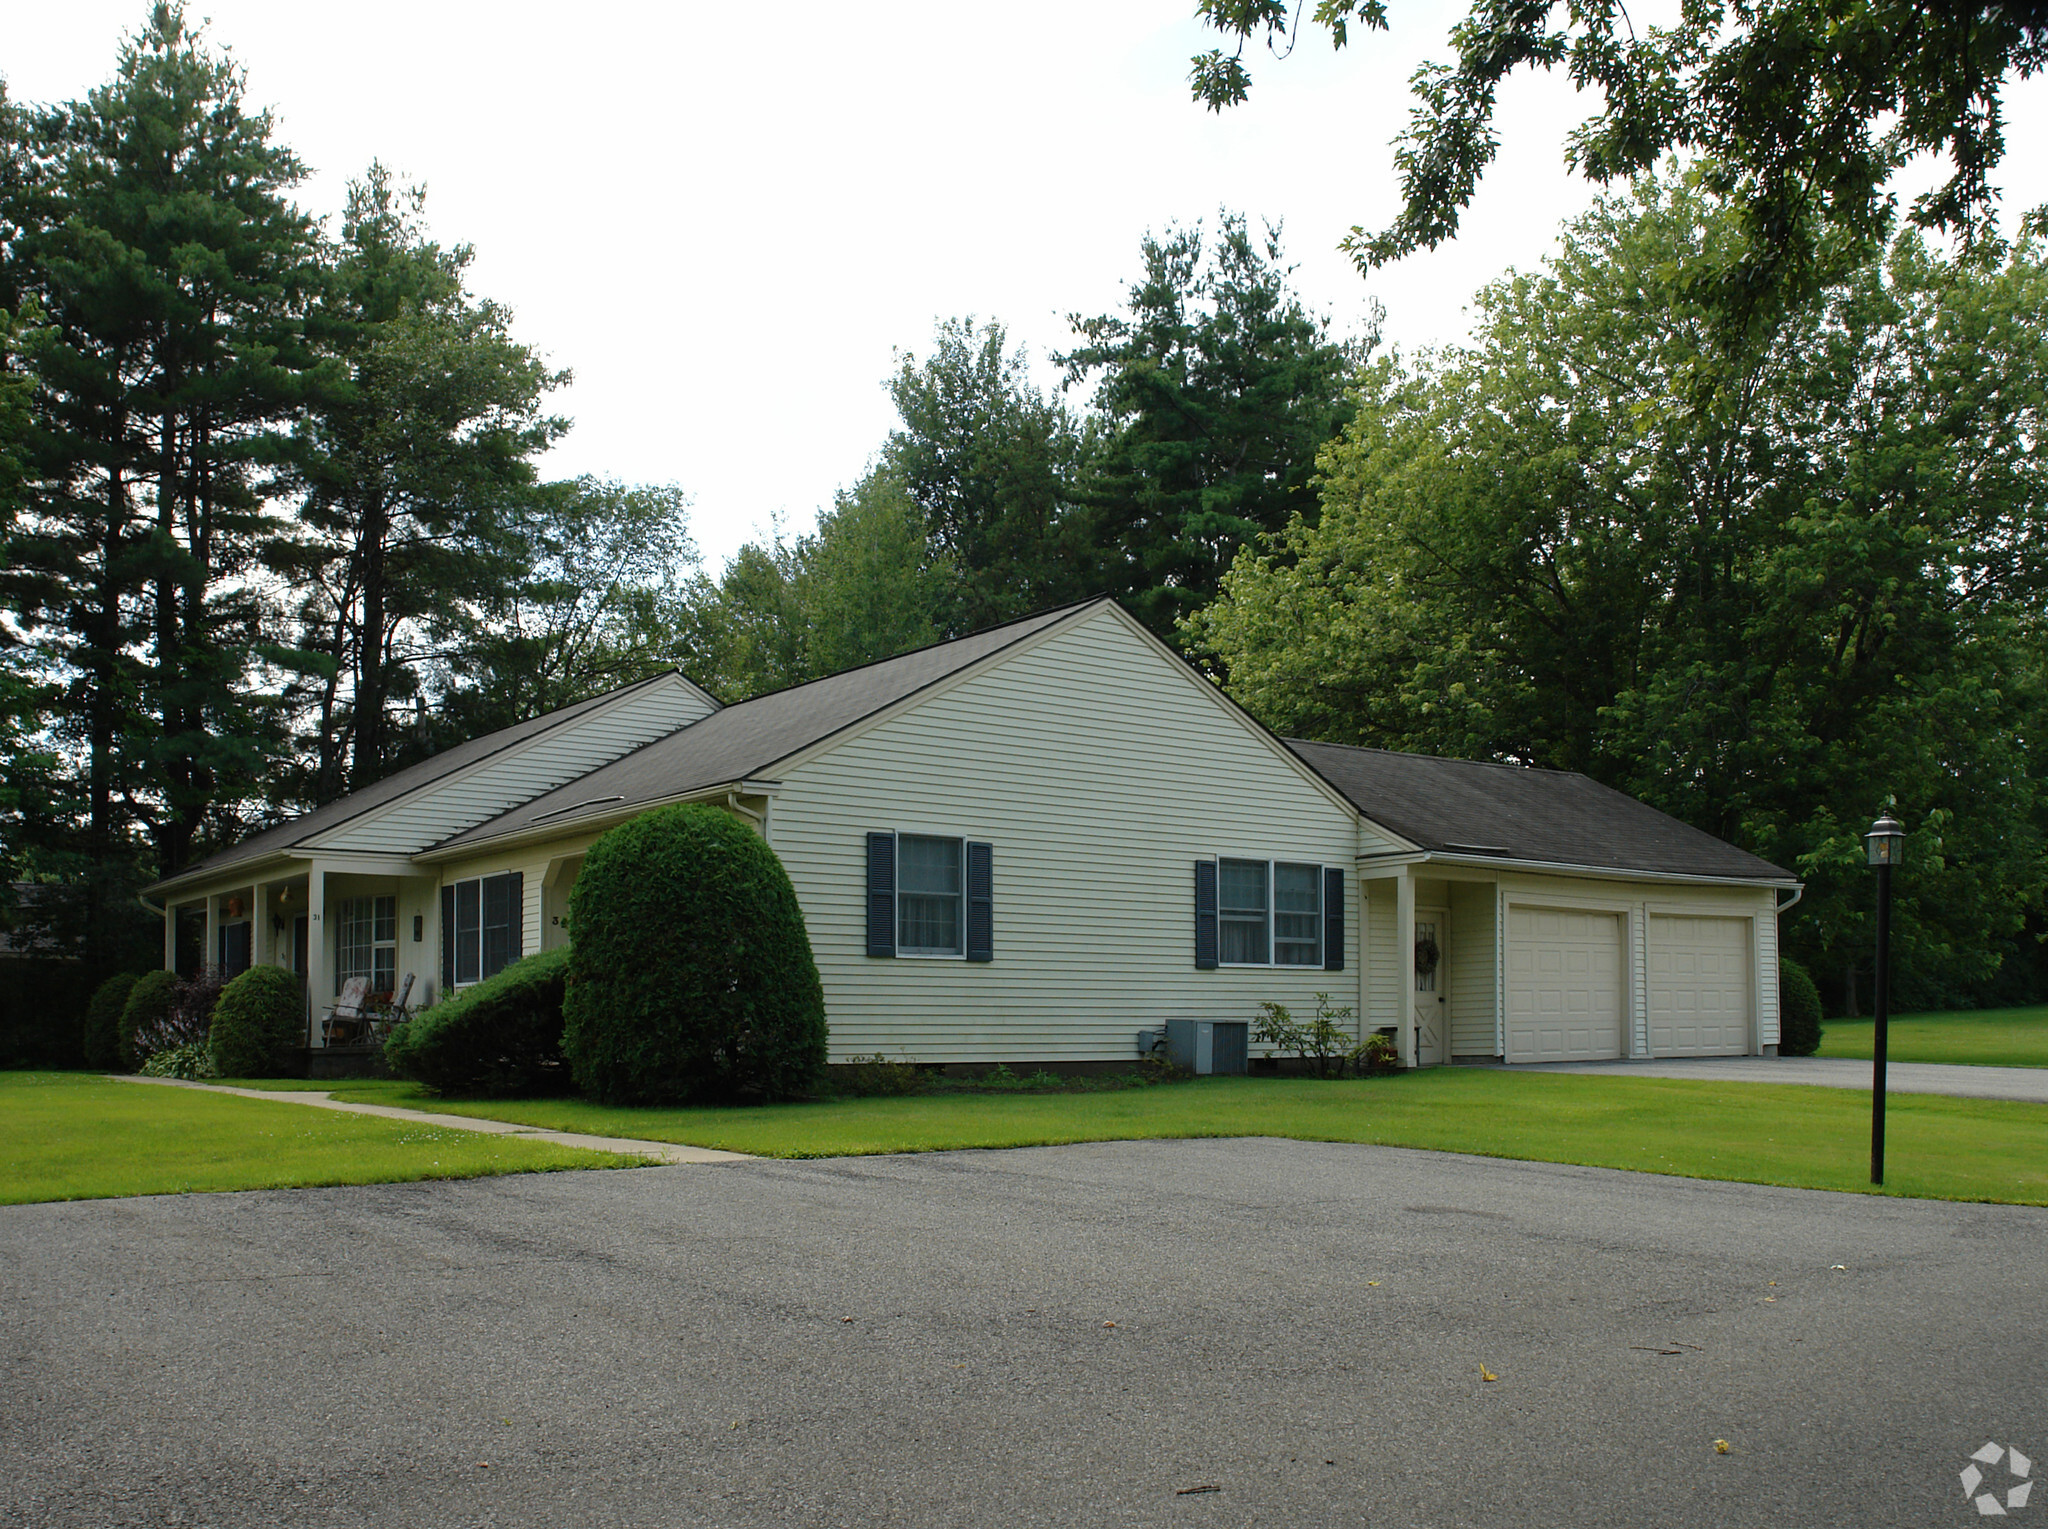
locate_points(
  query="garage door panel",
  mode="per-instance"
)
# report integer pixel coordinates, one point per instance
(1564, 985)
(1699, 986)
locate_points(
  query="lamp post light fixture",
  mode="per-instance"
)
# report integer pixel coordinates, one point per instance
(1885, 846)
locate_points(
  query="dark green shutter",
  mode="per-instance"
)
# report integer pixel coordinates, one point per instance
(447, 941)
(1205, 915)
(981, 902)
(1333, 921)
(881, 894)
(500, 924)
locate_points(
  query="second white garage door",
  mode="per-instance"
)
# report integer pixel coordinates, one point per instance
(1564, 985)
(1699, 986)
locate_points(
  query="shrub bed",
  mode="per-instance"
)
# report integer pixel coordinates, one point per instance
(499, 1038)
(692, 978)
(256, 1024)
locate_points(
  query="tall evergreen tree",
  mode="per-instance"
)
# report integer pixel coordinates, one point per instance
(990, 462)
(1216, 388)
(152, 230)
(415, 457)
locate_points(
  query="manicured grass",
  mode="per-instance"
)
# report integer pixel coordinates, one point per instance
(1815, 1138)
(74, 1136)
(1974, 1037)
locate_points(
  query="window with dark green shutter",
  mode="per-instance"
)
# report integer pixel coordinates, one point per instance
(1205, 915)
(1333, 921)
(881, 894)
(981, 902)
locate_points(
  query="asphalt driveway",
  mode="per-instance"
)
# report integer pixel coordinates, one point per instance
(928, 1341)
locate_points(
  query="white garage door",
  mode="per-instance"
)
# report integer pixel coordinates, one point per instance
(1564, 985)
(1699, 986)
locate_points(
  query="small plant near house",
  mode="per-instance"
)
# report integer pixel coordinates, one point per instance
(1376, 1056)
(691, 978)
(499, 1038)
(871, 1077)
(100, 1037)
(1323, 1043)
(256, 1024)
(1799, 1027)
(191, 1061)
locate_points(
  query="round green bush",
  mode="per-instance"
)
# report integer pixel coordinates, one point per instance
(501, 1037)
(257, 1022)
(101, 1037)
(690, 977)
(1798, 1010)
(148, 1008)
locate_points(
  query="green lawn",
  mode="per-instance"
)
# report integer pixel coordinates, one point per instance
(1977, 1037)
(72, 1136)
(1816, 1138)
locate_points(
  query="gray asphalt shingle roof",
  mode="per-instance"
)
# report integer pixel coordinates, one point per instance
(1462, 806)
(309, 825)
(749, 738)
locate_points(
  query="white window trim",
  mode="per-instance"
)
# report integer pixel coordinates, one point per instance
(456, 984)
(1272, 917)
(921, 953)
(341, 927)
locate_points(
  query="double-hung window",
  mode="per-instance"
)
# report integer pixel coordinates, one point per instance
(930, 895)
(367, 943)
(481, 927)
(1269, 913)
(930, 916)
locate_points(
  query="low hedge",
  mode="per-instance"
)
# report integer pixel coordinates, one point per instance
(256, 1024)
(1799, 1028)
(501, 1037)
(100, 1037)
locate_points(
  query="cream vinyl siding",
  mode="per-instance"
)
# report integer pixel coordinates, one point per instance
(1100, 771)
(425, 817)
(1767, 975)
(1470, 958)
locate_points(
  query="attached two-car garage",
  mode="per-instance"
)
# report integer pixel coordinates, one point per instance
(1567, 979)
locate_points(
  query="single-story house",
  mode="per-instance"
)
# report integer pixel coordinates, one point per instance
(1030, 844)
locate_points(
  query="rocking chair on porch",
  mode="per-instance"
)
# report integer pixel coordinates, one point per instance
(357, 1018)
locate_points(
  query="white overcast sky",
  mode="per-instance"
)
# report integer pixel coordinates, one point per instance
(725, 219)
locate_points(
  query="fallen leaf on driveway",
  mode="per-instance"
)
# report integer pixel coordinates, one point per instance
(1722, 1446)
(1191, 1491)
(1372, 1282)
(1486, 1374)
(1109, 1324)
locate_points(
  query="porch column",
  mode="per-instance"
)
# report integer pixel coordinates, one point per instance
(262, 938)
(170, 935)
(1404, 960)
(209, 953)
(319, 985)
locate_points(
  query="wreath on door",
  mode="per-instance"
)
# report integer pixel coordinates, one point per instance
(1426, 955)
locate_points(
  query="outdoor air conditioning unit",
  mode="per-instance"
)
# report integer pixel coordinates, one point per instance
(1205, 1046)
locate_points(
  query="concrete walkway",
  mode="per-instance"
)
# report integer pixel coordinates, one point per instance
(660, 1151)
(2029, 1084)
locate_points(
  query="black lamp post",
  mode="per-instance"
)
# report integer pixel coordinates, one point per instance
(1886, 846)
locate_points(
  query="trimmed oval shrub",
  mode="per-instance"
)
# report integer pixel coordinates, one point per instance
(256, 1024)
(100, 1036)
(1799, 1029)
(691, 976)
(148, 1009)
(503, 1036)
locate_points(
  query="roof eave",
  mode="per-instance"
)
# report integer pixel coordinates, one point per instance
(1571, 868)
